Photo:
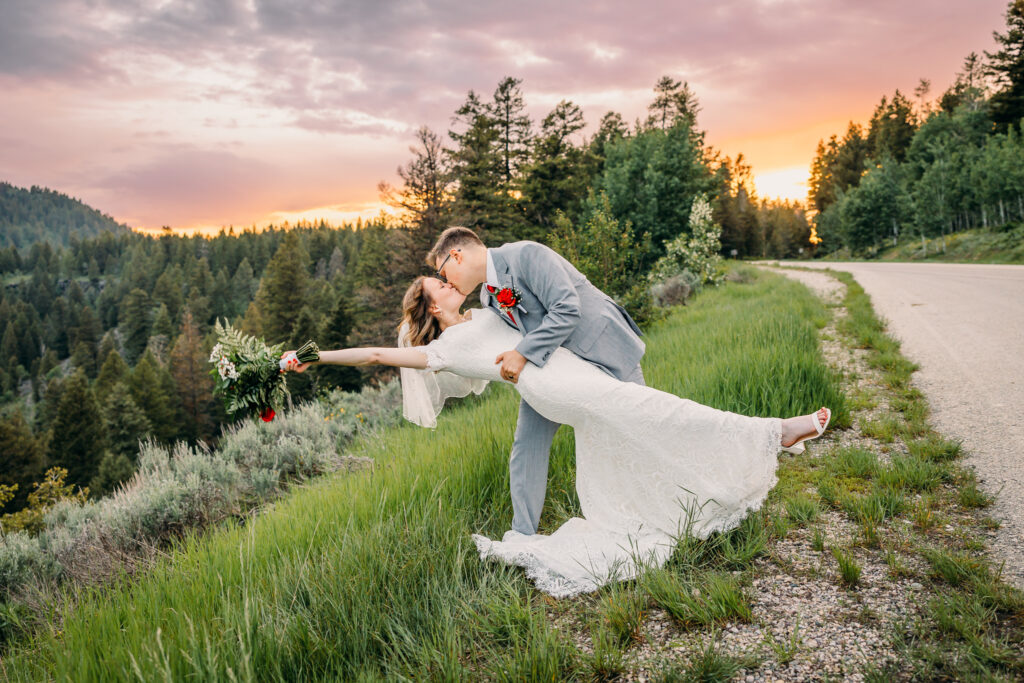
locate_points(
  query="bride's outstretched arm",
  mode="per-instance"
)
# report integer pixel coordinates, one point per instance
(399, 358)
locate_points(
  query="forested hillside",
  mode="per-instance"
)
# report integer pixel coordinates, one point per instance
(105, 341)
(39, 214)
(931, 168)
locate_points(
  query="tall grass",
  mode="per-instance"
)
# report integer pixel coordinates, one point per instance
(373, 574)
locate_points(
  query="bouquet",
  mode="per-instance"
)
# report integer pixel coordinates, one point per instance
(248, 374)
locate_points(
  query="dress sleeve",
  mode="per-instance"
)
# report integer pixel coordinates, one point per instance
(425, 391)
(437, 356)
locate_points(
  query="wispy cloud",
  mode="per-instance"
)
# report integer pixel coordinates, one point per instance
(271, 84)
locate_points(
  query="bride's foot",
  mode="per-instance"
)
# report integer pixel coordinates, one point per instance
(796, 429)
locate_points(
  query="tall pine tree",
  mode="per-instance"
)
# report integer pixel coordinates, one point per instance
(79, 436)
(282, 290)
(190, 369)
(1007, 66)
(23, 456)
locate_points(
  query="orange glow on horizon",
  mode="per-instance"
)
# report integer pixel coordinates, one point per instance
(783, 183)
(334, 215)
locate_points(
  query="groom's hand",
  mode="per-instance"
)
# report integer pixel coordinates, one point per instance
(512, 363)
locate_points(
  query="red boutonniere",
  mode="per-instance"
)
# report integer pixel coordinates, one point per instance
(507, 298)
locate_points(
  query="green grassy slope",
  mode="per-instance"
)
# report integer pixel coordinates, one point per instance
(969, 246)
(373, 574)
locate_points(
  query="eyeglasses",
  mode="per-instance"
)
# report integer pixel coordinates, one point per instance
(442, 278)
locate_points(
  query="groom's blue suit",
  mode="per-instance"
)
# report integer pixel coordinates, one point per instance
(558, 307)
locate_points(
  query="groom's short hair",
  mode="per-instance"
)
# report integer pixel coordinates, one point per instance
(452, 238)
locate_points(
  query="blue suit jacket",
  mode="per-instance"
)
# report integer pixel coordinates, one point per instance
(560, 307)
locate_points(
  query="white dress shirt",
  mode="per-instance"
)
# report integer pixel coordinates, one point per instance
(492, 279)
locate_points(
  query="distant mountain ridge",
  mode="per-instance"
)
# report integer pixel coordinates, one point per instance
(39, 214)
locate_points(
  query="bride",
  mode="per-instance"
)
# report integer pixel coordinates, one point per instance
(649, 465)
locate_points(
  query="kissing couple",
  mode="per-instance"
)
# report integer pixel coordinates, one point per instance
(649, 465)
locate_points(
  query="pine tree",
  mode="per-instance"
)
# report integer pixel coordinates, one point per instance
(22, 455)
(107, 344)
(478, 170)
(162, 324)
(113, 370)
(9, 351)
(125, 422)
(382, 274)
(513, 127)
(200, 290)
(283, 288)
(136, 312)
(79, 437)
(891, 128)
(220, 300)
(1007, 66)
(47, 409)
(821, 185)
(114, 468)
(149, 389)
(556, 177)
(190, 369)
(84, 359)
(243, 287)
(168, 291)
(673, 102)
(335, 335)
(424, 196)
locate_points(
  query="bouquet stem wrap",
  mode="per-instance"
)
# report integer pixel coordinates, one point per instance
(307, 353)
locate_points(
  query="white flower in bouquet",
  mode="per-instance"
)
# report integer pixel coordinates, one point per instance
(227, 369)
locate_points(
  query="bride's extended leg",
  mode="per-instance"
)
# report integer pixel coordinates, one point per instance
(796, 428)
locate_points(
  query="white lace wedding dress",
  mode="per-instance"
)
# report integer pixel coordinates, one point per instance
(648, 464)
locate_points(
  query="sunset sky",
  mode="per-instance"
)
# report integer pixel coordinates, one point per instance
(235, 112)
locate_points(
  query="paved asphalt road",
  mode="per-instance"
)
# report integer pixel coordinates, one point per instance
(964, 325)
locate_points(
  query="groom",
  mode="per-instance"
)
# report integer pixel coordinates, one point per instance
(542, 295)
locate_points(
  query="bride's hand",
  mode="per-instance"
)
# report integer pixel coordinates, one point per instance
(293, 364)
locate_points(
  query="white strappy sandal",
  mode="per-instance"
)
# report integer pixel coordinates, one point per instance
(798, 447)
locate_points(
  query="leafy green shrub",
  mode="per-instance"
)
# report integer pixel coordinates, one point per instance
(604, 250)
(47, 493)
(695, 251)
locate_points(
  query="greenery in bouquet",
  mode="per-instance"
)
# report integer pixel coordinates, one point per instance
(247, 372)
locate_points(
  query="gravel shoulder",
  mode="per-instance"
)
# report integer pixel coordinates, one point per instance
(963, 324)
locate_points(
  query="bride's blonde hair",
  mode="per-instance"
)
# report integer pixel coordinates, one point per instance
(423, 326)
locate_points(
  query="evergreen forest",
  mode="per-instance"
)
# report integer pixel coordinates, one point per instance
(927, 167)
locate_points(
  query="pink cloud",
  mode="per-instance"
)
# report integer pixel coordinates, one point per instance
(204, 106)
